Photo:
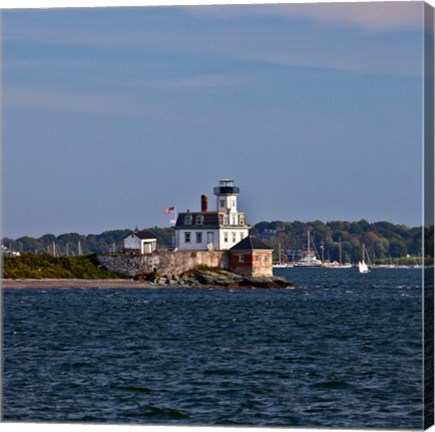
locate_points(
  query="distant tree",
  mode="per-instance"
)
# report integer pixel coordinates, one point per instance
(355, 228)
(397, 248)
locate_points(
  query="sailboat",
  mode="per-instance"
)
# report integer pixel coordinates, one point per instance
(362, 266)
(339, 264)
(280, 264)
(309, 260)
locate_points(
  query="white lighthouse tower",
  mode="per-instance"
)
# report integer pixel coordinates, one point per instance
(218, 230)
(226, 194)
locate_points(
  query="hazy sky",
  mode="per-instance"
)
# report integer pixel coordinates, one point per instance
(110, 115)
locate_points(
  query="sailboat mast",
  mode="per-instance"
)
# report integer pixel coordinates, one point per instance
(339, 251)
(308, 239)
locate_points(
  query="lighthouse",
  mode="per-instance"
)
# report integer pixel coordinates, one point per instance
(218, 229)
(226, 194)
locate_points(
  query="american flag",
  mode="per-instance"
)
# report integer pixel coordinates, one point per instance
(168, 210)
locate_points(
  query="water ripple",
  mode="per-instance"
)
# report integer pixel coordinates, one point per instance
(337, 351)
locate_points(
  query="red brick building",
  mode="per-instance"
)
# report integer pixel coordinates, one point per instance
(251, 257)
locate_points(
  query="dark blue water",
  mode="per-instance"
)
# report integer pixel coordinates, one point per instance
(340, 350)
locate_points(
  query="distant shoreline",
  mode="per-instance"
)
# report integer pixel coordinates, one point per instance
(74, 283)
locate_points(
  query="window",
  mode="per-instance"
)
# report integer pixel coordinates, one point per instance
(222, 203)
(241, 258)
(225, 237)
(187, 237)
(199, 237)
(225, 219)
(210, 237)
(234, 237)
(241, 236)
(257, 258)
(266, 258)
(199, 219)
(233, 220)
(188, 220)
(241, 220)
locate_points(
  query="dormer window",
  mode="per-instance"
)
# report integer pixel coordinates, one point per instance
(188, 220)
(225, 219)
(199, 219)
(241, 220)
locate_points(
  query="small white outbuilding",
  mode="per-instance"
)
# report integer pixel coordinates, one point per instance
(140, 242)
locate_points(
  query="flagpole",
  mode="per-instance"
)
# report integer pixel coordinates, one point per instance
(175, 215)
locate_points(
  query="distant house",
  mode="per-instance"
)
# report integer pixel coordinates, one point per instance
(251, 257)
(140, 242)
(213, 230)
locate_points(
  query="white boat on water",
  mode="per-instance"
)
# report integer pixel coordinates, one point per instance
(362, 266)
(309, 260)
(281, 265)
(337, 265)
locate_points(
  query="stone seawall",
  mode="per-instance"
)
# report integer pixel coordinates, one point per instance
(167, 263)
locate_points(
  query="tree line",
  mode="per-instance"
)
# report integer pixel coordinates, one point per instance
(382, 240)
(74, 244)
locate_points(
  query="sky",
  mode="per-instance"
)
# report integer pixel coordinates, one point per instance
(112, 114)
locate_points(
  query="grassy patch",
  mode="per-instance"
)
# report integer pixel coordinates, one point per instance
(46, 266)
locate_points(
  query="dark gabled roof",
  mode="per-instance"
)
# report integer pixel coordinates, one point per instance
(250, 243)
(143, 234)
(211, 219)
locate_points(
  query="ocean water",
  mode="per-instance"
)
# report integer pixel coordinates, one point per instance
(339, 350)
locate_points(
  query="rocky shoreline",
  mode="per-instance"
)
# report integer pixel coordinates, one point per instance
(196, 279)
(218, 278)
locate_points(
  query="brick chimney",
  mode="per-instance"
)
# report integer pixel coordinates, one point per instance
(204, 203)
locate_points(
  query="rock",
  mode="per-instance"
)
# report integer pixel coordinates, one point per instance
(217, 278)
(223, 278)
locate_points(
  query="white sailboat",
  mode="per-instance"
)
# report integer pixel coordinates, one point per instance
(339, 264)
(362, 266)
(310, 260)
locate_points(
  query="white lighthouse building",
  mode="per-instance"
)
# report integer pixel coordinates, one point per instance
(213, 230)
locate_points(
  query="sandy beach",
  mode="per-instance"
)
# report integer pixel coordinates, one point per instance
(73, 283)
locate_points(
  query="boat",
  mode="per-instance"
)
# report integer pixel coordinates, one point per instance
(362, 266)
(309, 260)
(337, 265)
(280, 264)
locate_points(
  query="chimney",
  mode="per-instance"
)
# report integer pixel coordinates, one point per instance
(204, 203)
